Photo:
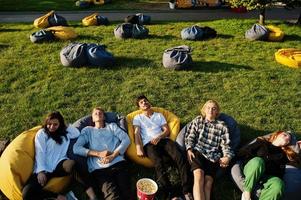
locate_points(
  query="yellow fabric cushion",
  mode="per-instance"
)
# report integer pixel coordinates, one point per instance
(275, 34)
(174, 125)
(90, 20)
(63, 32)
(16, 165)
(42, 22)
(290, 57)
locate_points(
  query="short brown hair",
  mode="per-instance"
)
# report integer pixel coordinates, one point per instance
(139, 98)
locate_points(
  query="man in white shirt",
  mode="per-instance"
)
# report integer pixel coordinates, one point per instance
(151, 139)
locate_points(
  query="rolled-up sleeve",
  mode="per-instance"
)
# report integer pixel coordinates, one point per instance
(191, 135)
(82, 140)
(225, 144)
(73, 132)
(40, 151)
(123, 137)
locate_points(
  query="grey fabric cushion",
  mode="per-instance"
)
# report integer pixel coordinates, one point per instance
(123, 31)
(192, 33)
(98, 56)
(139, 31)
(133, 19)
(74, 55)
(292, 175)
(42, 36)
(143, 19)
(257, 32)
(57, 20)
(177, 57)
(101, 20)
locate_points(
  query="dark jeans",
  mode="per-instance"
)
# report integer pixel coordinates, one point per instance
(167, 147)
(114, 182)
(34, 191)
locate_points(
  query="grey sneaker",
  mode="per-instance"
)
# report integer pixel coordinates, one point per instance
(71, 196)
(188, 196)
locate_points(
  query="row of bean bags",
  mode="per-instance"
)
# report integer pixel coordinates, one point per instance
(52, 33)
(50, 19)
(138, 18)
(81, 54)
(177, 58)
(268, 33)
(95, 20)
(290, 57)
(128, 30)
(198, 33)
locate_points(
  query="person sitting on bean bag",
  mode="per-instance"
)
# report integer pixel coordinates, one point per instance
(151, 139)
(207, 142)
(51, 144)
(265, 160)
(104, 144)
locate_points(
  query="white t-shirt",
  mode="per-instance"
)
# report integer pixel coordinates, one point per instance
(150, 127)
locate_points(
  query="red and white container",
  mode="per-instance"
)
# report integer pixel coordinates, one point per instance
(146, 189)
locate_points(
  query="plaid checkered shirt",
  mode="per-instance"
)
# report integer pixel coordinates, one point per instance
(211, 139)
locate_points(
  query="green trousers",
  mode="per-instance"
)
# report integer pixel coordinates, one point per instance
(273, 187)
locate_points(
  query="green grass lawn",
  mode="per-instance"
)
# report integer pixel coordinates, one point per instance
(42, 5)
(262, 95)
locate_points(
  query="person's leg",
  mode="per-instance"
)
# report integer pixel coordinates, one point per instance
(105, 181)
(253, 171)
(208, 186)
(181, 163)
(153, 152)
(198, 184)
(123, 180)
(273, 189)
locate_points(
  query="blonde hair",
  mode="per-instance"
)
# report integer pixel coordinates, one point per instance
(203, 113)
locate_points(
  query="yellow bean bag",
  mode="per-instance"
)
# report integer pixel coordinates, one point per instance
(275, 34)
(90, 20)
(290, 57)
(174, 125)
(16, 165)
(63, 32)
(42, 22)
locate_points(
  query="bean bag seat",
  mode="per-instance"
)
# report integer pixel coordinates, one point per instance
(74, 55)
(291, 177)
(16, 165)
(275, 33)
(290, 57)
(98, 56)
(110, 117)
(208, 32)
(177, 57)
(174, 125)
(192, 33)
(95, 20)
(82, 4)
(63, 32)
(50, 19)
(138, 18)
(127, 30)
(257, 32)
(42, 36)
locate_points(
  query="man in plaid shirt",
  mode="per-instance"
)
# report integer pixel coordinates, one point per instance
(207, 144)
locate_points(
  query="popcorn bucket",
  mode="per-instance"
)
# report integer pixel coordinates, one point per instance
(146, 189)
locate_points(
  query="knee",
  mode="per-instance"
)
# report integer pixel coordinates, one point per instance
(277, 184)
(198, 175)
(27, 192)
(68, 165)
(258, 161)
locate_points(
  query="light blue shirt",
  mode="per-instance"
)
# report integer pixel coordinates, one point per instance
(110, 138)
(48, 153)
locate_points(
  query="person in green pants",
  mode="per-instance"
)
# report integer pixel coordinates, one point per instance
(264, 160)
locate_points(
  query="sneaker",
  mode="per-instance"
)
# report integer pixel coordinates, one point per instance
(243, 197)
(188, 196)
(71, 196)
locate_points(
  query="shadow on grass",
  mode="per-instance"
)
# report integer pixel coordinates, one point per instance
(292, 37)
(247, 133)
(2, 30)
(3, 46)
(132, 62)
(165, 37)
(224, 36)
(89, 37)
(214, 66)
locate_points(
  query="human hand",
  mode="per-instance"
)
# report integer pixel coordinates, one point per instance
(140, 152)
(61, 197)
(190, 155)
(156, 140)
(42, 179)
(107, 159)
(224, 162)
(102, 154)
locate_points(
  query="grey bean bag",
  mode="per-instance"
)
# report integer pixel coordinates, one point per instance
(57, 20)
(177, 57)
(127, 30)
(98, 56)
(234, 132)
(110, 117)
(257, 32)
(74, 55)
(292, 176)
(42, 36)
(101, 20)
(192, 33)
(138, 18)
